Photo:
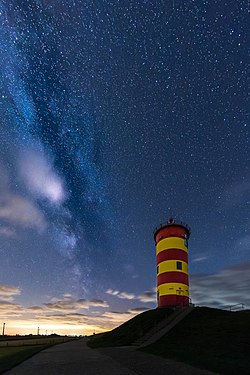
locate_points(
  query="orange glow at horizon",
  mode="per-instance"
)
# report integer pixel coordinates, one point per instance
(24, 328)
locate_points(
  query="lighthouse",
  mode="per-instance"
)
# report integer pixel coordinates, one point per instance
(171, 241)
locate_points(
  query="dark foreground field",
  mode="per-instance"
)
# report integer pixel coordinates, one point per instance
(14, 351)
(212, 339)
(11, 356)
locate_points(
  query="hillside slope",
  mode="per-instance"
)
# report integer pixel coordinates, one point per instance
(214, 339)
(131, 330)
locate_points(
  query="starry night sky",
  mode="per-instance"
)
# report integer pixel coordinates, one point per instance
(114, 116)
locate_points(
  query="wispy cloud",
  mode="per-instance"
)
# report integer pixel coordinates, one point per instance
(138, 310)
(9, 290)
(18, 210)
(68, 314)
(64, 315)
(68, 304)
(112, 292)
(199, 259)
(8, 308)
(147, 296)
(227, 287)
(7, 232)
(8, 293)
(122, 295)
(126, 295)
(38, 174)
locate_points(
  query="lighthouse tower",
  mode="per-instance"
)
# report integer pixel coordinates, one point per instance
(172, 263)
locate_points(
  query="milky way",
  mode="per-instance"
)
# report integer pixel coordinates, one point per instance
(115, 115)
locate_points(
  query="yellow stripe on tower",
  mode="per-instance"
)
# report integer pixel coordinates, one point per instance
(171, 243)
(170, 266)
(173, 288)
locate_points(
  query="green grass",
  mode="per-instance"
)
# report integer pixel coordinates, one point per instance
(11, 356)
(131, 330)
(214, 339)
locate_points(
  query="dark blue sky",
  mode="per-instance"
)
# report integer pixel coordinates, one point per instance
(114, 115)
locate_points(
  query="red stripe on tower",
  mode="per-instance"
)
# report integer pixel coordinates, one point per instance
(172, 254)
(172, 277)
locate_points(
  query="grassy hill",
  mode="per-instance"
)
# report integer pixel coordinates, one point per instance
(131, 330)
(214, 339)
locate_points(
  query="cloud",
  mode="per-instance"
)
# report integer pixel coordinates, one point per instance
(9, 290)
(122, 295)
(9, 306)
(66, 313)
(198, 259)
(225, 288)
(69, 304)
(63, 315)
(74, 318)
(112, 292)
(138, 310)
(147, 297)
(35, 309)
(96, 302)
(229, 286)
(17, 210)
(38, 175)
(143, 297)
(7, 232)
(9, 309)
(20, 211)
(126, 295)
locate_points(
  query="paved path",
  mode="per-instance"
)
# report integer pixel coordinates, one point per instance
(71, 358)
(76, 358)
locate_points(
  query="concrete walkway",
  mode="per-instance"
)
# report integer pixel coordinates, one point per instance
(71, 358)
(76, 357)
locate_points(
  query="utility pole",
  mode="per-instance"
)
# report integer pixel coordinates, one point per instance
(3, 328)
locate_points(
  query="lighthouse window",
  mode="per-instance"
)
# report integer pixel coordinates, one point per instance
(178, 265)
(157, 270)
(186, 242)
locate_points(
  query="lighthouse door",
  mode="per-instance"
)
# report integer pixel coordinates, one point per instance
(179, 293)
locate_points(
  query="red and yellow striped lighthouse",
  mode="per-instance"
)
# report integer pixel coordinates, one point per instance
(172, 263)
